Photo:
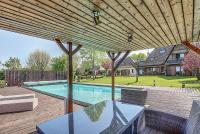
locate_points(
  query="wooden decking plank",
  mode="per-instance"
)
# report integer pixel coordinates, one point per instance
(25, 122)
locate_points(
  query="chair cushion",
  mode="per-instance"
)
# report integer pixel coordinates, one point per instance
(15, 97)
(9, 106)
(149, 130)
(193, 124)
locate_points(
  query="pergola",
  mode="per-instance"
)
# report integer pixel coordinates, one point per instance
(114, 26)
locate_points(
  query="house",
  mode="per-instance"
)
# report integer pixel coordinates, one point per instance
(165, 60)
(95, 70)
(127, 68)
(161, 61)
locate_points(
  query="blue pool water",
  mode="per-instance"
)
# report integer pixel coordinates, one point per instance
(85, 93)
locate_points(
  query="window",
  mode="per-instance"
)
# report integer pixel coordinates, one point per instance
(178, 69)
(181, 56)
(151, 58)
(132, 70)
(162, 50)
(140, 71)
(177, 56)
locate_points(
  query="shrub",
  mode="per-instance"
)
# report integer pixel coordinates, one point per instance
(2, 83)
(2, 76)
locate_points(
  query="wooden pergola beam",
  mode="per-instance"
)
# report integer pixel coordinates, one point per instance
(192, 47)
(121, 60)
(113, 56)
(59, 43)
(68, 104)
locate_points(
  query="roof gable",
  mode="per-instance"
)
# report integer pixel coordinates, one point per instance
(159, 55)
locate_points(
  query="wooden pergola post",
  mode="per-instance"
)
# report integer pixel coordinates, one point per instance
(70, 78)
(68, 102)
(114, 67)
(192, 47)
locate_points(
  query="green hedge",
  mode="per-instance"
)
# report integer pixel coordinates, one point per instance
(2, 76)
(2, 83)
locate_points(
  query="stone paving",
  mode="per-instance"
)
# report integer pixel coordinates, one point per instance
(177, 101)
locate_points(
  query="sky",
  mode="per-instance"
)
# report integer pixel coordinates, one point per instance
(19, 45)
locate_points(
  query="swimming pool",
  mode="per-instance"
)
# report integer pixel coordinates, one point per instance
(90, 94)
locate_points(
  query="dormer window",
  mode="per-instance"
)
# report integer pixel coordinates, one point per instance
(162, 50)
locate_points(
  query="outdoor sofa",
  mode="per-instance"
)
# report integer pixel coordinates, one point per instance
(17, 103)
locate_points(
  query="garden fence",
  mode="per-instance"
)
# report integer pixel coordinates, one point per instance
(17, 77)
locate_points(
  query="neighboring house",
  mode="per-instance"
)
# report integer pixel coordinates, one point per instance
(126, 68)
(95, 70)
(155, 63)
(165, 60)
(173, 63)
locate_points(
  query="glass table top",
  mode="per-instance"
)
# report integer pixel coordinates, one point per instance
(105, 117)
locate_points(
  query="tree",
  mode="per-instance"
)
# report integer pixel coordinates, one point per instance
(1, 65)
(13, 63)
(91, 58)
(60, 63)
(139, 57)
(38, 60)
(106, 65)
(191, 63)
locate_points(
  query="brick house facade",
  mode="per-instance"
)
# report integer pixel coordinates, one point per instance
(166, 61)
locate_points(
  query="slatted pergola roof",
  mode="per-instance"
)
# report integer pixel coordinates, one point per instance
(153, 23)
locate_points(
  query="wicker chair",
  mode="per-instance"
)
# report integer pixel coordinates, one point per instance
(163, 123)
(157, 122)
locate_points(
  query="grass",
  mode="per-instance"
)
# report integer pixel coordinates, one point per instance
(161, 81)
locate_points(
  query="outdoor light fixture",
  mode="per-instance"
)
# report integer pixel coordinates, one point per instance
(130, 37)
(96, 15)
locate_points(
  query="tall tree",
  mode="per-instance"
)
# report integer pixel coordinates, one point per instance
(13, 63)
(38, 60)
(191, 63)
(91, 58)
(139, 57)
(60, 63)
(106, 64)
(1, 65)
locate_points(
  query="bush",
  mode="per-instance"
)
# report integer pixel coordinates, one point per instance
(2, 75)
(2, 83)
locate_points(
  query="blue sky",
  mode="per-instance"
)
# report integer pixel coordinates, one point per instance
(19, 45)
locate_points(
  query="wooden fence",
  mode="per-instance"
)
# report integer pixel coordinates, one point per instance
(14, 78)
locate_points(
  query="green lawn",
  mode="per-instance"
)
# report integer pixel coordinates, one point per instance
(162, 81)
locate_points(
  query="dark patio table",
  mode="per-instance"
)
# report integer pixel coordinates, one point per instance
(107, 117)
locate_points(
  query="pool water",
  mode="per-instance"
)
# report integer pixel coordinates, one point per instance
(85, 93)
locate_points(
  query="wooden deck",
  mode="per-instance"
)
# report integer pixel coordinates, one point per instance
(25, 122)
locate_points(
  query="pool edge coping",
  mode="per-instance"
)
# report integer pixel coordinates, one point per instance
(76, 101)
(58, 97)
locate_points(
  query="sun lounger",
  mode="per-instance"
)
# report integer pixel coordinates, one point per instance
(14, 97)
(18, 103)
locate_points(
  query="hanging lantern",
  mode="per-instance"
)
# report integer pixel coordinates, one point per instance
(96, 15)
(130, 37)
